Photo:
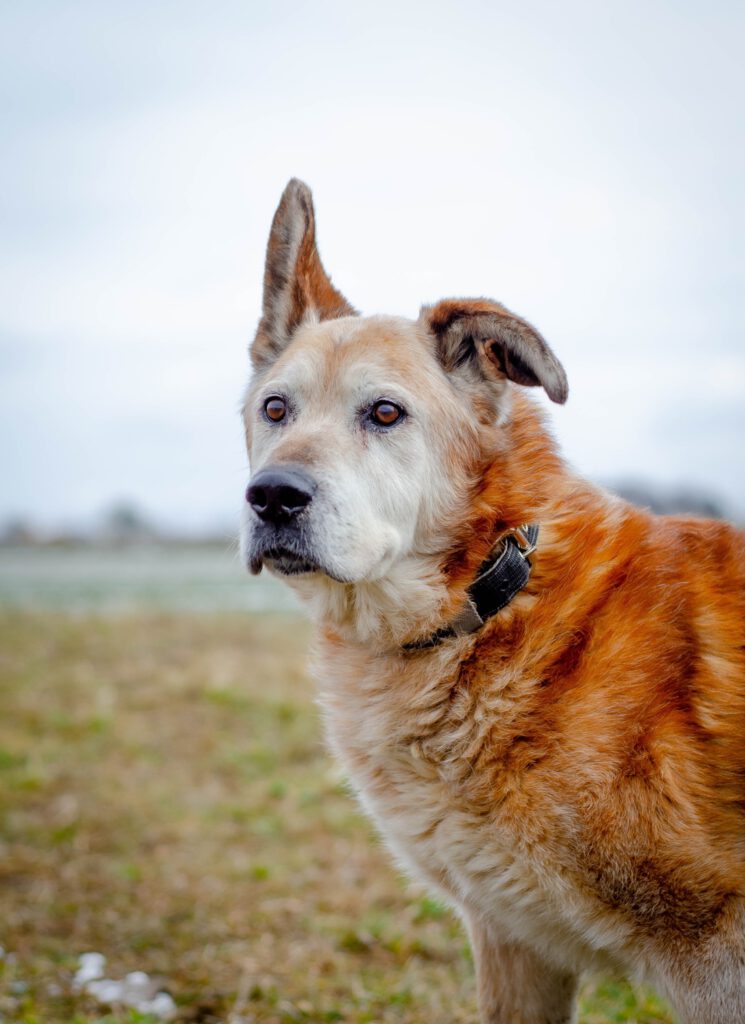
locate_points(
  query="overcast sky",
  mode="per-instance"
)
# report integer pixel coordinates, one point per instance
(581, 162)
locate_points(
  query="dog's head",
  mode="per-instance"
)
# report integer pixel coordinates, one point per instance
(366, 434)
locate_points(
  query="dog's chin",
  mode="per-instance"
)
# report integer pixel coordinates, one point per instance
(287, 564)
(282, 561)
(285, 561)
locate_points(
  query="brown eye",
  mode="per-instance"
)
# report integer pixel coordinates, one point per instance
(275, 409)
(385, 414)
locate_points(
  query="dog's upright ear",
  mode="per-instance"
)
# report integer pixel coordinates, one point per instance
(295, 284)
(482, 333)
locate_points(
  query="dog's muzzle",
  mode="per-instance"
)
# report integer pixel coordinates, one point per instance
(280, 496)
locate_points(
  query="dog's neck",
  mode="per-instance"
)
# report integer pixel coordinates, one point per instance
(521, 479)
(381, 613)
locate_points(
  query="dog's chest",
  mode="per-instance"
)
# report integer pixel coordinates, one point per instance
(412, 764)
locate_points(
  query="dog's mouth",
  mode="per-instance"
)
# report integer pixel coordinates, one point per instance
(285, 559)
(288, 563)
(287, 553)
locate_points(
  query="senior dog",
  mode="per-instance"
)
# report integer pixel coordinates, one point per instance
(537, 689)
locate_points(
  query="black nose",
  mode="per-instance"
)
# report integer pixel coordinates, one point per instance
(278, 495)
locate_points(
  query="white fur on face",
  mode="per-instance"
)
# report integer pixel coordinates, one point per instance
(380, 492)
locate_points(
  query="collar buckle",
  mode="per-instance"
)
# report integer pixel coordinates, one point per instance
(525, 545)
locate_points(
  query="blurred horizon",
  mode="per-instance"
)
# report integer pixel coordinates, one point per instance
(578, 163)
(125, 523)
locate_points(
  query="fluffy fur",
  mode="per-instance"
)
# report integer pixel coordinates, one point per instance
(571, 778)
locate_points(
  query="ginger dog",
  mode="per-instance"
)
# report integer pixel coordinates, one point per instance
(564, 762)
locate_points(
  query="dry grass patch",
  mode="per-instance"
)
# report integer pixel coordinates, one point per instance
(166, 801)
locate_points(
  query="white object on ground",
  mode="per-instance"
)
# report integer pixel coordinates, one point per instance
(91, 968)
(137, 989)
(161, 1005)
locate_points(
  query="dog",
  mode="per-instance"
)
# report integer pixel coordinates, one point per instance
(536, 689)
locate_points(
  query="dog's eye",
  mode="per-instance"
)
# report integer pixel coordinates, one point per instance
(385, 414)
(275, 409)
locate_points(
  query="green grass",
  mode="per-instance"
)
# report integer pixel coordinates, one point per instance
(165, 799)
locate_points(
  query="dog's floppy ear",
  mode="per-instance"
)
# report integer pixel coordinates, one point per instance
(295, 283)
(502, 344)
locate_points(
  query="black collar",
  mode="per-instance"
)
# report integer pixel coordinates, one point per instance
(501, 578)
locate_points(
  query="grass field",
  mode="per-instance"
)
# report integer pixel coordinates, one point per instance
(166, 801)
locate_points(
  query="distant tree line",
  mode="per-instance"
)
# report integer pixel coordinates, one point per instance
(124, 523)
(674, 501)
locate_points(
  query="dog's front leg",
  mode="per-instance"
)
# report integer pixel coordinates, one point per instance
(515, 986)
